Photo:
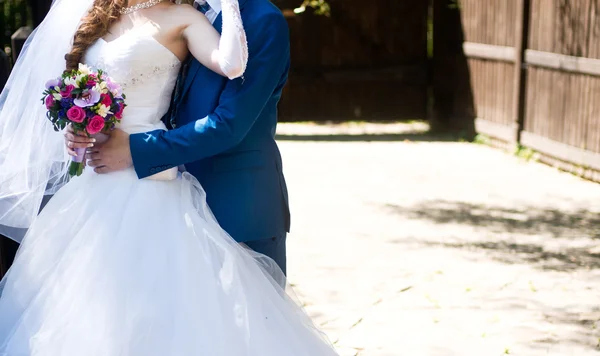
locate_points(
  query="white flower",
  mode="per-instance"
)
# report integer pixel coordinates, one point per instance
(57, 96)
(71, 81)
(103, 110)
(101, 88)
(83, 69)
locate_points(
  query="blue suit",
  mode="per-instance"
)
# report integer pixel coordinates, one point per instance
(225, 135)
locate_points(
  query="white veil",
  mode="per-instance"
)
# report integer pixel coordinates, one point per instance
(33, 159)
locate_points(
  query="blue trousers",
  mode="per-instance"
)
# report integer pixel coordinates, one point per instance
(274, 248)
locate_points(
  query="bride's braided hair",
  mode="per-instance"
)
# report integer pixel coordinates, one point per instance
(94, 26)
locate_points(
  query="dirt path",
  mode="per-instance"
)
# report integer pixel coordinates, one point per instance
(404, 246)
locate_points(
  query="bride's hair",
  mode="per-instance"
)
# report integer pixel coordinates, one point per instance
(93, 26)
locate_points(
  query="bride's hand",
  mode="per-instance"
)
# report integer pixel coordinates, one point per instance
(74, 140)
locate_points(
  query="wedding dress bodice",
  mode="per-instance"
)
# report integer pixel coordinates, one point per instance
(145, 69)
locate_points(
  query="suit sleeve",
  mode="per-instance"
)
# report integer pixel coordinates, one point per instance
(240, 103)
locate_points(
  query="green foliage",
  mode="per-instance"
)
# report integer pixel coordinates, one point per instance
(525, 153)
(454, 4)
(321, 7)
(481, 140)
(13, 15)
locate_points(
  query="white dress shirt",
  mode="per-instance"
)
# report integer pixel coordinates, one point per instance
(214, 11)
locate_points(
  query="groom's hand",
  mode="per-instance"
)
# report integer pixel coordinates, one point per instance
(114, 155)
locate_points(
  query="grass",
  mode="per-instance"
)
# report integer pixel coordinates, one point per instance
(525, 153)
(481, 140)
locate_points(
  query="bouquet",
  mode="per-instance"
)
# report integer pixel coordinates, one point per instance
(87, 99)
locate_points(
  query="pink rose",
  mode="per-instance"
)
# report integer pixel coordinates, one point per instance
(119, 114)
(106, 100)
(49, 102)
(95, 125)
(76, 114)
(67, 92)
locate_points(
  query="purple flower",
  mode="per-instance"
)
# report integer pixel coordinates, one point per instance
(53, 83)
(113, 87)
(89, 98)
(66, 103)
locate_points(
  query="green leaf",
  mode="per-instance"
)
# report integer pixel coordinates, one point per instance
(321, 7)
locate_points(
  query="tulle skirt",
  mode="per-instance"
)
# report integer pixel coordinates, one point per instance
(116, 266)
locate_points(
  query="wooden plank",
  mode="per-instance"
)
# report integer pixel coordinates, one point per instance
(572, 112)
(532, 77)
(551, 31)
(554, 121)
(492, 90)
(487, 51)
(563, 62)
(519, 89)
(561, 151)
(593, 126)
(494, 129)
(496, 28)
(534, 24)
(485, 87)
(584, 82)
(475, 69)
(408, 74)
(587, 101)
(594, 30)
(530, 123)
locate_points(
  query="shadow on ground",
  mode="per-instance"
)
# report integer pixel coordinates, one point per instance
(546, 239)
(500, 226)
(581, 326)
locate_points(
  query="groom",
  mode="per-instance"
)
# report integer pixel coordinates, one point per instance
(223, 132)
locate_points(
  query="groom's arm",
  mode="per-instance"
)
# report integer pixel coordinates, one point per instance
(240, 103)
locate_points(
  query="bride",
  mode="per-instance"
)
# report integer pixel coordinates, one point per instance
(114, 265)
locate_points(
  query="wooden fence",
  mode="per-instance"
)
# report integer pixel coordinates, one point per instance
(535, 74)
(365, 61)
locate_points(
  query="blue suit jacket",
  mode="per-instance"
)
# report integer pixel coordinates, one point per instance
(225, 133)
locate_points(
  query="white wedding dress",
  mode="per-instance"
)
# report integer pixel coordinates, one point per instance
(117, 266)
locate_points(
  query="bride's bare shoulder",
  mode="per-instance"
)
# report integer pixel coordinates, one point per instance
(186, 10)
(186, 15)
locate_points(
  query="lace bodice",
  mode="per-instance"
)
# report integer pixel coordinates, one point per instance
(145, 69)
